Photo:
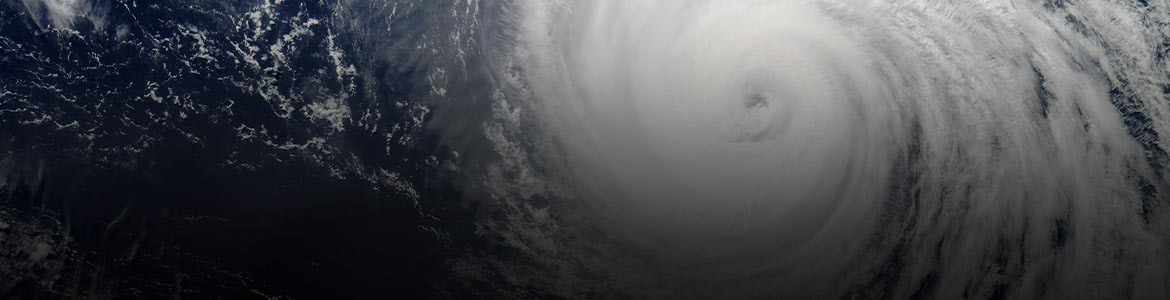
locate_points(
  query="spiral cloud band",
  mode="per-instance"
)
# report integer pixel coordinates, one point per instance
(829, 148)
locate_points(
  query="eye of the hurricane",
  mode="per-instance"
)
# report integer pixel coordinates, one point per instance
(757, 117)
(756, 102)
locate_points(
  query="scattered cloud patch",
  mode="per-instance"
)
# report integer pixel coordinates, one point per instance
(64, 14)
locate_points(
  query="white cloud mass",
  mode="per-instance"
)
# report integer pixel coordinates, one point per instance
(742, 149)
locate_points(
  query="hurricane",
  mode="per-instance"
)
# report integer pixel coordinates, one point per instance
(821, 149)
(585, 149)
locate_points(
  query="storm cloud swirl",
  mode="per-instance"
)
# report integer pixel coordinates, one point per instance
(824, 149)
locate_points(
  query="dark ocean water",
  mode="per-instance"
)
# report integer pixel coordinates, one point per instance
(158, 155)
